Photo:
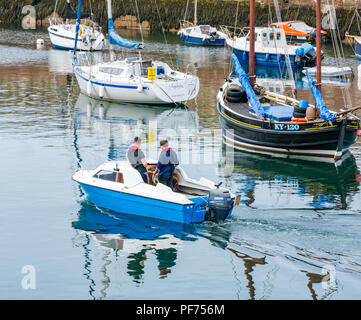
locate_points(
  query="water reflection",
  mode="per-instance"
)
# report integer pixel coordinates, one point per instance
(266, 181)
(136, 238)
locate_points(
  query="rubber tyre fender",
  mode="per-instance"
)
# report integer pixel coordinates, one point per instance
(234, 99)
(234, 93)
(298, 115)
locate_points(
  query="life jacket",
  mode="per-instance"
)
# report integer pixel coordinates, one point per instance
(136, 148)
(168, 150)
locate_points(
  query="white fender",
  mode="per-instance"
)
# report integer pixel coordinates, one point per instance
(101, 92)
(140, 87)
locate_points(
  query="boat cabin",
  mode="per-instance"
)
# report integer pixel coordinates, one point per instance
(269, 38)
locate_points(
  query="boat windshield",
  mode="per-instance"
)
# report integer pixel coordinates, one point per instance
(114, 176)
(300, 26)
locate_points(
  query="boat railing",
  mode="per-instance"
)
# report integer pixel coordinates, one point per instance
(54, 20)
(234, 32)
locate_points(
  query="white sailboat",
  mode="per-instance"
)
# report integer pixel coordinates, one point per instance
(135, 79)
(204, 35)
(62, 35)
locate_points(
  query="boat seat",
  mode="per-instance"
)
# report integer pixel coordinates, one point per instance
(277, 112)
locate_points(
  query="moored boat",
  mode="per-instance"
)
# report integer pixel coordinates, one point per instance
(298, 31)
(279, 124)
(62, 35)
(271, 48)
(203, 35)
(255, 119)
(134, 79)
(119, 187)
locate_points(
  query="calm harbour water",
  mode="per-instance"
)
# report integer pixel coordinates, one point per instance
(297, 221)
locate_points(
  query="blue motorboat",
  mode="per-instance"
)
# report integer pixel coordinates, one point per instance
(271, 48)
(117, 186)
(203, 35)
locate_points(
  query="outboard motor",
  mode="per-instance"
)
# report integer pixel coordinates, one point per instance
(307, 55)
(219, 205)
(313, 36)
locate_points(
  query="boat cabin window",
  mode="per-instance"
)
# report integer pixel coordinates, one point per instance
(114, 176)
(278, 36)
(113, 71)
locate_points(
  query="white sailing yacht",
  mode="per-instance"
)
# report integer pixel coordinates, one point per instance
(62, 35)
(135, 79)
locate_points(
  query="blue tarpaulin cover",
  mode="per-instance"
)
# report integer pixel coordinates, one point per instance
(325, 114)
(115, 38)
(244, 80)
(277, 113)
(305, 48)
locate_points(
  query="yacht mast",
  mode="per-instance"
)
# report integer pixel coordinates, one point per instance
(195, 12)
(252, 44)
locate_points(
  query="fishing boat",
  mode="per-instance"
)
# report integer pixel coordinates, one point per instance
(204, 35)
(117, 186)
(255, 119)
(298, 31)
(134, 79)
(62, 35)
(271, 48)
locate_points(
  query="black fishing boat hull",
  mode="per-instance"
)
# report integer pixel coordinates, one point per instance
(315, 139)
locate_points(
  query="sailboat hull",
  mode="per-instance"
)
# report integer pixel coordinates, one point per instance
(202, 41)
(150, 92)
(63, 37)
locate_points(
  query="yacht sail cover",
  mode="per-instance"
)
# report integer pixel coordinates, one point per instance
(325, 114)
(244, 80)
(116, 39)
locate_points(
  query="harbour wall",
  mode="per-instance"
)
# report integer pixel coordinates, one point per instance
(156, 15)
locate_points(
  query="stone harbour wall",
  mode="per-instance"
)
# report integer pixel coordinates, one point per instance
(167, 13)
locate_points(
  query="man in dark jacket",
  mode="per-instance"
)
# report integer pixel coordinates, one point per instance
(166, 164)
(137, 159)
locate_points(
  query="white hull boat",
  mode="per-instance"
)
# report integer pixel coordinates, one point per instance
(62, 36)
(133, 80)
(128, 81)
(119, 187)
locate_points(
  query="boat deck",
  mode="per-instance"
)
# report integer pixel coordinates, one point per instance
(240, 108)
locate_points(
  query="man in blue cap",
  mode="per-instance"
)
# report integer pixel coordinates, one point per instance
(167, 162)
